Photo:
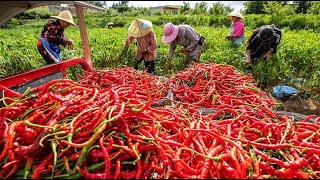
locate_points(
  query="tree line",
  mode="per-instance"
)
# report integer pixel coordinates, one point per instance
(250, 7)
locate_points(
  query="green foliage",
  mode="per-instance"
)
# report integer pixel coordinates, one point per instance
(110, 12)
(36, 13)
(185, 8)
(303, 6)
(13, 22)
(200, 8)
(219, 9)
(297, 57)
(254, 7)
(314, 7)
(279, 9)
(158, 12)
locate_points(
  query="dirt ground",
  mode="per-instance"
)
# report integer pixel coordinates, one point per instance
(296, 104)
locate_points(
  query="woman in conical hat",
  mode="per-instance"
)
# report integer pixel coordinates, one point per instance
(237, 28)
(141, 30)
(52, 36)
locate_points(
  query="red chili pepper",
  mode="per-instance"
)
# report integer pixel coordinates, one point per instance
(9, 169)
(291, 173)
(227, 172)
(208, 162)
(37, 172)
(106, 157)
(269, 170)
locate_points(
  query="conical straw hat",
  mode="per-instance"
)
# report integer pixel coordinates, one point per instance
(236, 14)
(65, 16)
(140, 27)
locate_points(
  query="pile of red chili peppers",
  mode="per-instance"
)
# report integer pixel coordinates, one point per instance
(107, 126)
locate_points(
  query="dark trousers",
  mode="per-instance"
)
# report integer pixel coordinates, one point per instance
(149, 65)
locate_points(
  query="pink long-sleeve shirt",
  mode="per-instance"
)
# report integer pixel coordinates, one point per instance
(238, 28)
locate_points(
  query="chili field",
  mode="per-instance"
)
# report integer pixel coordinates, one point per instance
(296, 63)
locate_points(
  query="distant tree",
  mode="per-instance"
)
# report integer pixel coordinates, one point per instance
(228, 9)
(145, 11)
(279, 8)
(218, 9)
(122, 6)
(254, 7)
(184, 8)
(314, 7)
(157, 12)
(283, 2)
(200, 8)
(110, 12)
(303, 6)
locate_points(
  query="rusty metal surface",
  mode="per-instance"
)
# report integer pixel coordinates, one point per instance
(37, 82)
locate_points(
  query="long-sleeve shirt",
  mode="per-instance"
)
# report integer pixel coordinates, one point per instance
(187, 37)
(148, 42)
(53, 31)
(238, 29)
(257, 46)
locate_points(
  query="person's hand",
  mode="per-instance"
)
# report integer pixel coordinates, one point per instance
(268, 55)
(182, 50)
(229, 37)
(68, 42)
(143, 51)
(248, 60)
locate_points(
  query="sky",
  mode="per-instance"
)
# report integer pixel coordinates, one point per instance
(233, 4)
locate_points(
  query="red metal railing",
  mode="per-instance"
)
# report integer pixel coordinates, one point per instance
(25, 77)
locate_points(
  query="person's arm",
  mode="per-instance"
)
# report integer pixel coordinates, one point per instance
(128, 41)
(173, 46)
(248, 60)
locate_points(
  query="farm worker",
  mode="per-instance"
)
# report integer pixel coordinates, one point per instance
(237, 28)
(110, 24)
(52, 36)
(186, 36)
(263, 42)
(141, 30)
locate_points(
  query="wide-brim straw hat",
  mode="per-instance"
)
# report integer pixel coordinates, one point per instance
(236, 14)
(65, 16)
(110, 23)
(139, 27)
(170, 32)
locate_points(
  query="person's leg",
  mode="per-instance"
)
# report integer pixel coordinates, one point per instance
(45, 55)
(195, 54)
(149, 65)
(136, 65)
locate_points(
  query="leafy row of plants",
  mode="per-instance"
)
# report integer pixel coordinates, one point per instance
(293, 22)
(297, 57)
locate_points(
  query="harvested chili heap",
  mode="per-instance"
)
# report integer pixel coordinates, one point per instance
(109, 125)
